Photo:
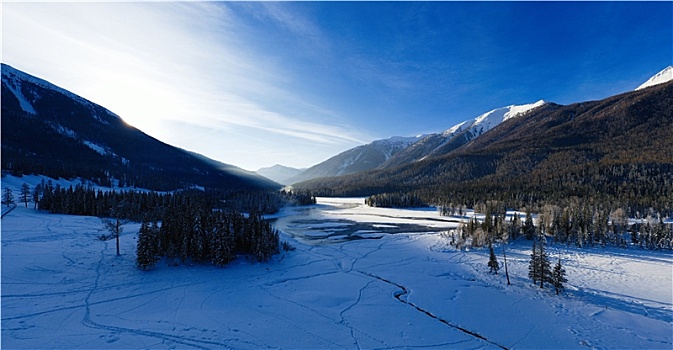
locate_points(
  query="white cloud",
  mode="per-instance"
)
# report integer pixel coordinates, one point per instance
(162, 66)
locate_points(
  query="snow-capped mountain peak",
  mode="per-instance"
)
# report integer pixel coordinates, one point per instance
(490, 119)
(664, 76)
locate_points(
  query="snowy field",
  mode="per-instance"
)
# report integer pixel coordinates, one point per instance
(368, 278)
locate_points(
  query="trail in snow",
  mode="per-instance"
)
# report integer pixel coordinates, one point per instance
(404, 291)
(64, 288)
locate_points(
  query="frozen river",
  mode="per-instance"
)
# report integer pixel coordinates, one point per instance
(345, 219)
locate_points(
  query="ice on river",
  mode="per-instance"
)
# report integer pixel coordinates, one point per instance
(64, 288)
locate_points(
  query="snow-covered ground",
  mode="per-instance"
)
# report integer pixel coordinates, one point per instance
(361, 283)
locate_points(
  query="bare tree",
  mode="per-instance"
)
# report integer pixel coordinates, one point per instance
(25, 192)
(115, 222)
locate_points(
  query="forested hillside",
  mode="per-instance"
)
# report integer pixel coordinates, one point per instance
(617, 151)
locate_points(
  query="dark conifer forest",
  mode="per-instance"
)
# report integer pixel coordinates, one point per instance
(607, 154)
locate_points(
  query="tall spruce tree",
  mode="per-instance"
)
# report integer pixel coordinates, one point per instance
(146, 251)
(529, 226)
(558, 278)
(493, 261)
(539, 268)
(7, 196)
(533, 265)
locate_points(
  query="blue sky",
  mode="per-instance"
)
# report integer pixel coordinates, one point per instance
(256, 83)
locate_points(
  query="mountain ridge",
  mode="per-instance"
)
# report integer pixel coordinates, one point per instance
(357, 159)
(50, 131)
(618, 150)
(663, 76)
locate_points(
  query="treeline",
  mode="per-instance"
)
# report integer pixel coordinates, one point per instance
(136, 205)
(395, 200)
(84, 200)
(267, 202)
(186, 226)
(577, 224)
(191, 231)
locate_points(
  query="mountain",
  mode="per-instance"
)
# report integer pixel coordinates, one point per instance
(50, 131)
(358, 159)
(435, 145)
(664, 76)
(279, 173)
(616, 151)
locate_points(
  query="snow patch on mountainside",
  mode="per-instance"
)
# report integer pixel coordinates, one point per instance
(100, 149)
(390, 146)
(484, 123)
(62, 130)
(13, 83)
(489, 120)
(14, 79)
(664, 76)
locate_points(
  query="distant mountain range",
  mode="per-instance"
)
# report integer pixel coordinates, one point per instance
(396, 151)
(355, 160)
(622, 144)
(50, 131)
(279, 173)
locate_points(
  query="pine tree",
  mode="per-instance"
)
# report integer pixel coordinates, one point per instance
(8, 197)
(533, 265)
(529, 226)
(493, 261)
(539, 269)
(146, 252)
(558, 277)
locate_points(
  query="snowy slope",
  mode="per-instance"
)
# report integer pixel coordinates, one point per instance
(358, 159)
(664, 76)
(458, 135)
(63, 288)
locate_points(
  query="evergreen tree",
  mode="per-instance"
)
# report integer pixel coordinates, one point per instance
(539, 269)
(493, 261)
(529, 226)
(7, 196)
(558, 277)
(533, 265)
(146, 251)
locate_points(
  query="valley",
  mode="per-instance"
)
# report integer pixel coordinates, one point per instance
(340, 288)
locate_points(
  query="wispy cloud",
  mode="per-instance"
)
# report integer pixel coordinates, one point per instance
(161, 63)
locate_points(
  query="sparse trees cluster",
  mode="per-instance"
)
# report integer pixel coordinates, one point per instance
(540, 271)
(576, 224)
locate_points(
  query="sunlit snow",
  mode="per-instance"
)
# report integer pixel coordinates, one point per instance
(385, 288)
